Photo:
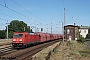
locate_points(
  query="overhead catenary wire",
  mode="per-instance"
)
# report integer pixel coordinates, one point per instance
(16, 12)
(22, 7)
(25, 9)
(2, 24)
(3, 19)
(67, 11)
(6, 15)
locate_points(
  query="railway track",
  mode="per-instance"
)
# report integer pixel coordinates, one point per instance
(26, 54)
(6, 50)
(5, 44)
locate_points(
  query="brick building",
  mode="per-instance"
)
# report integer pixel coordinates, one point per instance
(71, 32)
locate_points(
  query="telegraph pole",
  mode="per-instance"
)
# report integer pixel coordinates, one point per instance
(63, 32)
(51, 28)
(63, 24)
(24, 28)
(7, 29)
(64, 17)
(72, 20)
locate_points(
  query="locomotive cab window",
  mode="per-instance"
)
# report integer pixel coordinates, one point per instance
(18, 35)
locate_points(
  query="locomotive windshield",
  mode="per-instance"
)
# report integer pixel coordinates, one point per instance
(18, 35)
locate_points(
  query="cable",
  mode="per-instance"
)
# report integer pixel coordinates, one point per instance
(16, 11)
(25, 9)
(3, 19)
(6, 15)
(64, 7)
(22, 7)
(2, 24)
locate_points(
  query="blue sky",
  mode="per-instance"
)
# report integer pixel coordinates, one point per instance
(41, 13)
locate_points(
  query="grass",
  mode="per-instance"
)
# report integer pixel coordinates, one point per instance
(83, 53)
(78, 48)
(74, 51)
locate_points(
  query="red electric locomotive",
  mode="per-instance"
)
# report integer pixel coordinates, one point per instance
(21, 39)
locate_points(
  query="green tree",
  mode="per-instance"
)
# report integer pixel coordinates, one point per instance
(17, 26)
(2, 34)
(89, 30)
(81, 39)
(88, 35)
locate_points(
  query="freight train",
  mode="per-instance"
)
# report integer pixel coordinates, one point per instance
(23, 39)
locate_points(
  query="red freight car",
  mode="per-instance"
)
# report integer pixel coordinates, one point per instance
(47, 36)
(51, 37)
(60, 36)
(23, 39)
(42, 36)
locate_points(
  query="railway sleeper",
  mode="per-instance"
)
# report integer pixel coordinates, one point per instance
(7, 58)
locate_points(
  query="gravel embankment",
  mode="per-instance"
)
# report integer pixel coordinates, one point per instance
(42, 55)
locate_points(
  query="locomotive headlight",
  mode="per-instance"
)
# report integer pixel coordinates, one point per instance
(14, 39)
(20, 39)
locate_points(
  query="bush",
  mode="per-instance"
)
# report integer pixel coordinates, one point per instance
(81, 39)
(2, 34)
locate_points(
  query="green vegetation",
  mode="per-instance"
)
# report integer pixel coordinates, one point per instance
(2, 34)
(74, 51)
(83, 53)
(14, 26)
(81, 39)
(88, 35)
(77, 48)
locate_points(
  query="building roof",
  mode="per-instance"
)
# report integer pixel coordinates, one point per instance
(83, 27)
(71, 26)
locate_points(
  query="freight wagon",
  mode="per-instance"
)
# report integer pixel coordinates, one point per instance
(23, 39)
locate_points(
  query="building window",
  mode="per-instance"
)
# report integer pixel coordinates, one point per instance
(68, 31)
(79, 31)
(84, 31)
